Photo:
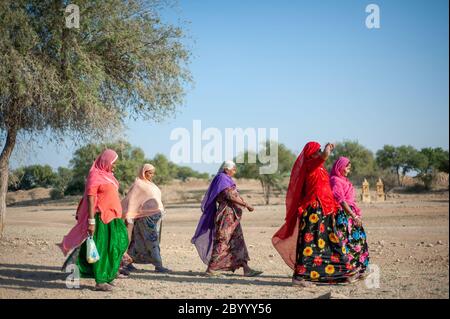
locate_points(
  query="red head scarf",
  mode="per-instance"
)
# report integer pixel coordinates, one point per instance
(295, 194)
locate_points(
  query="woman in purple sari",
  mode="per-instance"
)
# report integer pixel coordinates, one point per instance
(219, 239)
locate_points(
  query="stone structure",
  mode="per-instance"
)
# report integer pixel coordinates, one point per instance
(381, 196)
(365, 192)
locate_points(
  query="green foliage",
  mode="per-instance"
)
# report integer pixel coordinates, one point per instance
(164, 169)
(122, 62)
(430, 161)
(362, 159)
(400, 160)
(270, 183)
(183, 173)
(33, 176)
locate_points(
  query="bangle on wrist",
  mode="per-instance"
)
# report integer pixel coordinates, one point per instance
(91, 221)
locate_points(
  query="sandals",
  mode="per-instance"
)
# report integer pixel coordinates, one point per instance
(211, 274)
(355, 278)
(103, 287)
(122, 274)
(162, 270)
(130, 267)
(253, 273)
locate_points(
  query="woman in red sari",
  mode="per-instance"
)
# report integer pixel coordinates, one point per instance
(307, 241)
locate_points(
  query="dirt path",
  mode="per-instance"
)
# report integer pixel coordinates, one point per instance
(408, 240)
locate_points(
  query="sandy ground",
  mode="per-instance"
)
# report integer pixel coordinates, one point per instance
(408, 239)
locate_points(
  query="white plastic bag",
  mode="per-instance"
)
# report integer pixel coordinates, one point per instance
(92, 255)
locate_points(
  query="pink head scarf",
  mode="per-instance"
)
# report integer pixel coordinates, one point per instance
(100, 173)
(339, 166)
(143, 198)
(101, 170)
(343, 190)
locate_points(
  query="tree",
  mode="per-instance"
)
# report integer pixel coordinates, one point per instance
(164, 169)
(362, 159)
(122, 62)
(400, 160)
(429, 161)
(61, 182)
(269, 182)
(184, 172)
(32, 176)
(37, 176)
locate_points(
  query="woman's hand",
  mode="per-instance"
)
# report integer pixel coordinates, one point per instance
(250, 208)
(357, 220)
(327, 151)
(329, 148)
(91, 230)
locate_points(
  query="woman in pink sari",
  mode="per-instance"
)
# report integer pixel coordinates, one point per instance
(348, 218)
(99, 215)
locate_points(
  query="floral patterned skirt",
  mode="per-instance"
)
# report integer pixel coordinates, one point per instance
(355, 240)
(229, 250)
(321, 255)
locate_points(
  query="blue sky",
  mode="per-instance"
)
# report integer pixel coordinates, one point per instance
(311, 69)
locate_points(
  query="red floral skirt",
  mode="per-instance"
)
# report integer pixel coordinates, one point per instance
(321, 255)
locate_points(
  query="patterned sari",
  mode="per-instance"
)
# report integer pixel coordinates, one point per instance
(144, 247)
(229, 251)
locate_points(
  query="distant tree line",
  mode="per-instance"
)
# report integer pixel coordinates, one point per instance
(71, 181)
(391, 164)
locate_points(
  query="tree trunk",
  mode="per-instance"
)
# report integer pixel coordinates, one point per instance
(398, 177)
(4, 174)
(268, 194)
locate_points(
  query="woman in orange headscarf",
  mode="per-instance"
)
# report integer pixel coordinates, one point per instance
(307, 241)
(99, 215)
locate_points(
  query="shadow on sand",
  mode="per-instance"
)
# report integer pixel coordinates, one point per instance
(30, 277)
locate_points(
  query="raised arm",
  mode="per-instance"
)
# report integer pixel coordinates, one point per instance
(327, 151)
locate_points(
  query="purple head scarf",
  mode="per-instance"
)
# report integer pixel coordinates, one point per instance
(204, 235)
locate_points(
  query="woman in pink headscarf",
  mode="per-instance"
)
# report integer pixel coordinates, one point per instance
(143, 211)
(99, 215)
(348, 218)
